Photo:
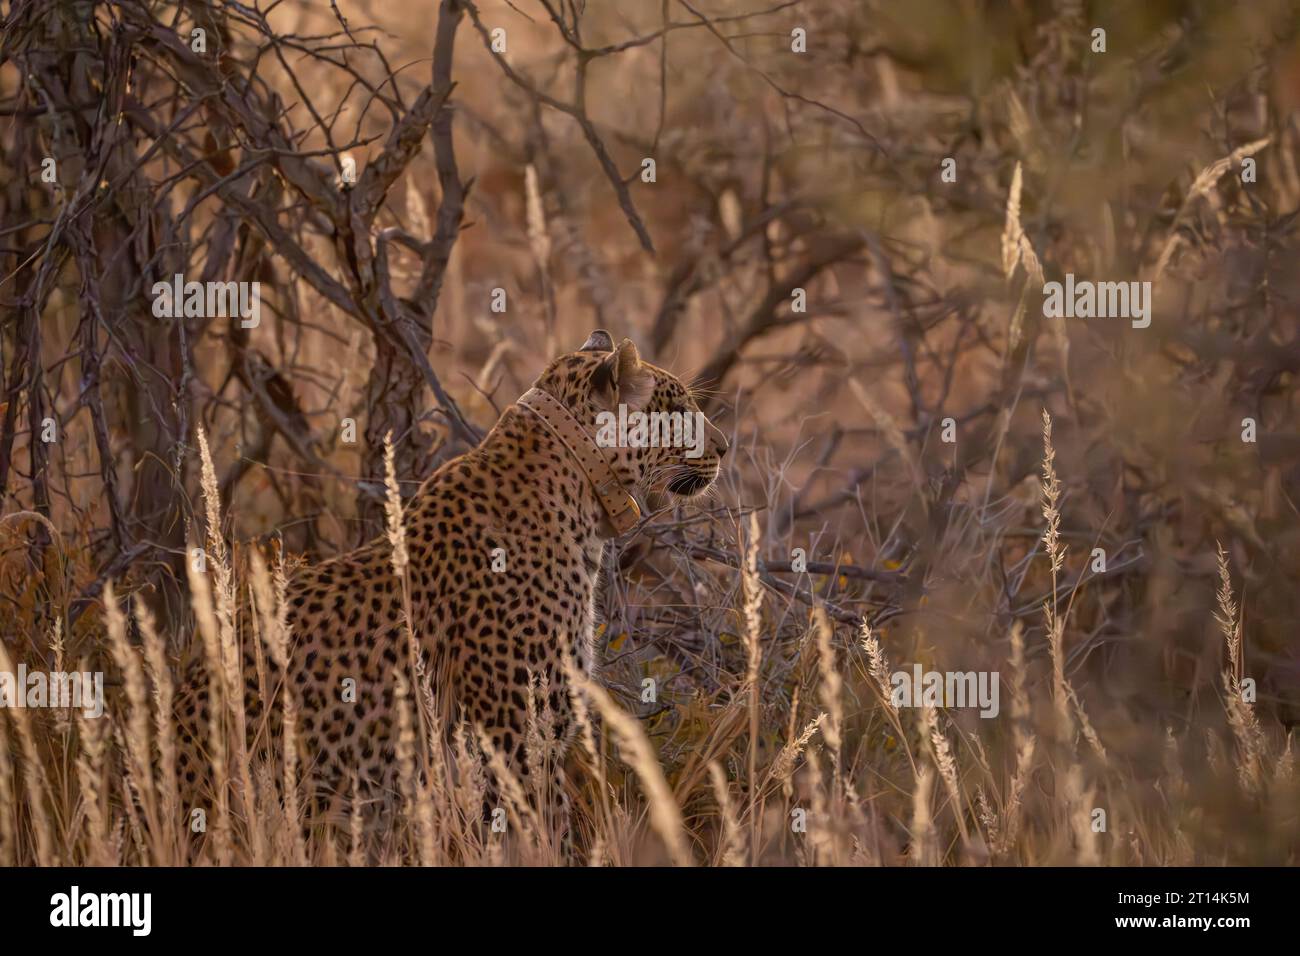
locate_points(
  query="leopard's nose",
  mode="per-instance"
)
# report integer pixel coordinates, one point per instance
(716, 440)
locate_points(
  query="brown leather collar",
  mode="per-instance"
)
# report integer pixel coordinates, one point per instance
(620, 507)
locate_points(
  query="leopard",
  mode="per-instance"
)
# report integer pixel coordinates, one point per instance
(505, 547)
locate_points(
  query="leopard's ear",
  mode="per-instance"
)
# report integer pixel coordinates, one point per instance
(598, 341)
(622, 379)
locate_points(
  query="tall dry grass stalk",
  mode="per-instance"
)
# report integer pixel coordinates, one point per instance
(525, 817)
(924, 850)
(1011, 814)
(587, 738)
(356, 826)
(130, 800)
(831, 690)
(1076, 795)
(1011, 229)
(822, 820)
(446, 826)
(415, 799)
(878, 666)
(137, 720)
(393, 512)
(401, 561)
(665, 815)
(35, 780)
(752, 590)
(206, 616)
(93, 735)
(733, 838)
(786, 761)
(231, 660)
(543, 750)
(1201, 186)
(469, 791)
(1285, 771)
(414, 738)
(8, 803)
(1016, 249)
(947, 767)
(62, 722)
(271, 606)
(159, 672)
(879, 680)
(1019, 684)
(1003, 838)
(1085, 725)
(1249, 736)
(1053, 621)
(1079, 805)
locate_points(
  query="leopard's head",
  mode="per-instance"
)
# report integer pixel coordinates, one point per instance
(644, 418)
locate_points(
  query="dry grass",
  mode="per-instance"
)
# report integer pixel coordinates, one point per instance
(853, 800)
